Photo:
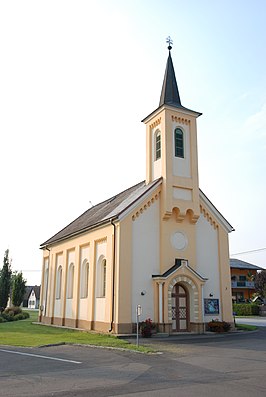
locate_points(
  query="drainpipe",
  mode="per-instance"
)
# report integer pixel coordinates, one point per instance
(113, 286)
(46, 287)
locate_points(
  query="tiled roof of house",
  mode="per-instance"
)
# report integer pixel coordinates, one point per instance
(238, 264)
(102, 213)
(27, 292)
(29, 288)
(37, 290)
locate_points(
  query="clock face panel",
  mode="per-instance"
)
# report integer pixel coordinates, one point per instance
(179, 240)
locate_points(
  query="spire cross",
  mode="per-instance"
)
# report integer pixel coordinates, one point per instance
(169, 41)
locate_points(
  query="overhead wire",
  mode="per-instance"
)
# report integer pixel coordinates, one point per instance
(248, 252)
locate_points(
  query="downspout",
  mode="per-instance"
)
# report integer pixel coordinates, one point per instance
(46, 287)
(113, 286)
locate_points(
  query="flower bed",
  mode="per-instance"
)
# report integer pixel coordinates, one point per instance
(147, 328)
(218, 326)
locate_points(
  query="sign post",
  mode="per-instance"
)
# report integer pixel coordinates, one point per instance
(138, 314)
(234, 315)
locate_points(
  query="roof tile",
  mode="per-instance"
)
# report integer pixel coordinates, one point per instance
(102, 212)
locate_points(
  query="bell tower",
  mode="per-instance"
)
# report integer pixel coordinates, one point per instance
(171, 150)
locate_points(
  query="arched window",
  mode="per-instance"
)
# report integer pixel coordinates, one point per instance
(58, 282)
(84, 281)
(101, 278)
(104, 278)
(179, 143)
(70, 281)
(157, 145)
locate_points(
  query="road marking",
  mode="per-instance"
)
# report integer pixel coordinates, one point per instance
(39, 356)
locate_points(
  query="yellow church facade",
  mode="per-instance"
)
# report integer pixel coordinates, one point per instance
(160, 244)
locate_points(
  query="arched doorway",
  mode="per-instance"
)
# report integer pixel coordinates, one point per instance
(180, 308)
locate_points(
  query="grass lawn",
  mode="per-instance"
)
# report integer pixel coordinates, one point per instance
(246, 327)
(24, 333)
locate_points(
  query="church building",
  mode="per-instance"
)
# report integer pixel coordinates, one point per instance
(160, 244)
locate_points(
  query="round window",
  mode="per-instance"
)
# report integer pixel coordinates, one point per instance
(179, 240)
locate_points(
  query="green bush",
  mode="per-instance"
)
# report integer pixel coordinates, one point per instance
(19, 316)
(8, 316)
(246, 309)
(13, 315)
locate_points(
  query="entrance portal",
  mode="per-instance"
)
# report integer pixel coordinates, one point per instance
(180, 314)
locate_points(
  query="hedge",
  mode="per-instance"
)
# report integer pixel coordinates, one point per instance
(13, 314)
(246, 309)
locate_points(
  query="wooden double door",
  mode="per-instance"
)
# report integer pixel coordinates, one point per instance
(180, 309)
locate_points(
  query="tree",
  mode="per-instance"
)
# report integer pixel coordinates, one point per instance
(5, 281)
(18, 288)
(260, 283)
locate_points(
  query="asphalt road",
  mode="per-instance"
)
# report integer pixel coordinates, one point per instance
(224, 365)
(258, 321)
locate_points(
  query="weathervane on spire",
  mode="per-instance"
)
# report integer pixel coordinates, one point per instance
(169, 41)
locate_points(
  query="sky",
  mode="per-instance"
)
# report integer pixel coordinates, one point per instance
(77, 78)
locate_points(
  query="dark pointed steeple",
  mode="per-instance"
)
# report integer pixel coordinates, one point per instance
(170, 94)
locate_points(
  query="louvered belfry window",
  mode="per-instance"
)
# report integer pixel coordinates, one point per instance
(157, 145)
(179, 143)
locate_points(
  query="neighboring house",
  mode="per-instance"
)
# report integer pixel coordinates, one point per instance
(160, 244)
(242, 280)
(32, 297)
